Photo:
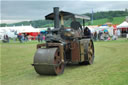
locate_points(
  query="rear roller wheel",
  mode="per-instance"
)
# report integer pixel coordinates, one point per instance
(89, 53)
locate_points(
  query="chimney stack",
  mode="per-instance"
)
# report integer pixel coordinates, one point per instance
(56, 17)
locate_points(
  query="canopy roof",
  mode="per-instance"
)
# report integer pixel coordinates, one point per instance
(123, 25)
(66, 16)
(104, 27)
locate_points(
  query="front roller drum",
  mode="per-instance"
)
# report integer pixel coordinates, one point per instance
(48, 61)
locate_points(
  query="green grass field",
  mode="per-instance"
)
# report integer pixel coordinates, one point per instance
(116, 20)
(110, 66)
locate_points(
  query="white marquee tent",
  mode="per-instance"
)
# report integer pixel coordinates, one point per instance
(10, 31)
(123, 25)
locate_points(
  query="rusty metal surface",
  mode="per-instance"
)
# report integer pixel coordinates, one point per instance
(83, 49)
(75, 52)
(61, 48)
(45, 61)
(54, 44)
(82, 52)
(40, 45)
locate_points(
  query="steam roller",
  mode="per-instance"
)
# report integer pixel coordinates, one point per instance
(63, 45)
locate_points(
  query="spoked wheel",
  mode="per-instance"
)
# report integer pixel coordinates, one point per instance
(90, 53)
(47, 61)
(59, 68)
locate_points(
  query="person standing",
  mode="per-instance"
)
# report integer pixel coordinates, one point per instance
(118, 33)
(22, 38)
(99, 35)
(15, 36)
(87, 32)
(6, 38)
(43, 38)
(25, 37)
(38, 37)
(75, 24)
(19, 37)
(77, 27)
(95, 36)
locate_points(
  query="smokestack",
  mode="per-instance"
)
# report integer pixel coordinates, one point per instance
(56, 17)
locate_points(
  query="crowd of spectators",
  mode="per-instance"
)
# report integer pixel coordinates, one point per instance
(104, 36)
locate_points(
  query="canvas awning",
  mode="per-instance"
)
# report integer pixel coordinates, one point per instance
(66, 16)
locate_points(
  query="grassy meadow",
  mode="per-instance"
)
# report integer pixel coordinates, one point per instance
(110, 66)
(116, 20)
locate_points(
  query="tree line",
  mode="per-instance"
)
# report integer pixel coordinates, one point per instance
(48, 23)
(101, 15)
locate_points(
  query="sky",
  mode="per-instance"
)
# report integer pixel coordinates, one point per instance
(25, 10)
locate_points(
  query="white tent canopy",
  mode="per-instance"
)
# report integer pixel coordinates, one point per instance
(123, 25)
(24, 29)
(10, 31)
